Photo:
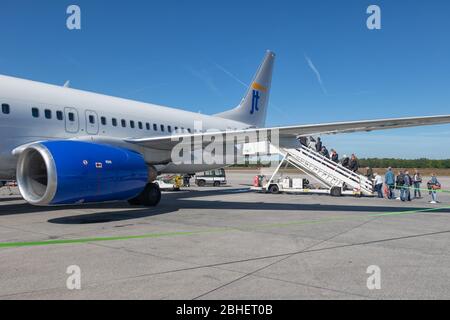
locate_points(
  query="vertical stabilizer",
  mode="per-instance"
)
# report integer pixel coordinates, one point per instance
(253, 107)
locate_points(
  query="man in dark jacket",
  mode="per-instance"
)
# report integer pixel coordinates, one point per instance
(345, 161)
(400, 184)
(319, 145)
(325, 152)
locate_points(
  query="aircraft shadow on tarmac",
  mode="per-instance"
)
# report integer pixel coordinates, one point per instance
(172, 202)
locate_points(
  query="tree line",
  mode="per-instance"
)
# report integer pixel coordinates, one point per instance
(404, 163)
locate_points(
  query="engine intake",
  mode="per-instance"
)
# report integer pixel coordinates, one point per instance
(73, 172)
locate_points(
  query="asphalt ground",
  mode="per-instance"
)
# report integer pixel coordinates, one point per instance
(228, 243)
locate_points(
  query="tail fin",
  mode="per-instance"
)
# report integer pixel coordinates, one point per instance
(253, 107)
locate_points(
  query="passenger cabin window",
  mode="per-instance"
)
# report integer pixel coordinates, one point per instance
(124, 123)
(162, 128)
(114, 122)
(91, 119)
(5, 108)
(35, 112)
(71, 116)
(140, 125)
(103, 120)
(147, 126)
(155, 127)
(132, 124)
(189, 130)
(48, 114)
(169, 128)
(59, 115)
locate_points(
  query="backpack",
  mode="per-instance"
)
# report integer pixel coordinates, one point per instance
(401, 180)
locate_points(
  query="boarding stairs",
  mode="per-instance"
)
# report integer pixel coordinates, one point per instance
(329, 173)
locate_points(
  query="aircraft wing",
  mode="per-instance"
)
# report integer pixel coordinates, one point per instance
(246, 136)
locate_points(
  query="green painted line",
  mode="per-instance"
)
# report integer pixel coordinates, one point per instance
(212, 230)
(423, 189)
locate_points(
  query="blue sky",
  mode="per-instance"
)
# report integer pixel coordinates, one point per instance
(181, 54)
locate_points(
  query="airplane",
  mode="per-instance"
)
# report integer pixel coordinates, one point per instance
(68, 147)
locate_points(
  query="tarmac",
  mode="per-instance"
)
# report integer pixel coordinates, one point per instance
(228, 243)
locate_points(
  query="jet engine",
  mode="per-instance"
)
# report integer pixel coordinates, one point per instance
(74, 172)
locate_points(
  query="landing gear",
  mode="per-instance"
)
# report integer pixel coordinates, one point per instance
(150, 197)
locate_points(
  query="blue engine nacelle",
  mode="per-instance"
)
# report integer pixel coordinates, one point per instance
(73, 172)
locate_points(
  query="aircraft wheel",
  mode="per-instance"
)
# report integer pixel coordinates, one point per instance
(150, 197)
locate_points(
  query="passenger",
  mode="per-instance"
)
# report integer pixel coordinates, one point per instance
(319, 145)
(303, 141)
(334, 156)
(417, 180)
(369, 173)
(433, 187)
(389, 179)
(187, 180)
(379, 185)
(407, 186)
(353, 164)
(325, 152)
(345, 161)
(312, 143)
(400, 184)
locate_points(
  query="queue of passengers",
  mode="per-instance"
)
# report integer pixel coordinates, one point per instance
(350, 163)
(403, 183)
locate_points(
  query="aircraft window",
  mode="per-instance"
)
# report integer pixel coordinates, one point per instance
(114, 122)
(155, 127)
(91, 119)
(140, 125)
(132, 124)
(124, 123)
(147, 126)
(162, 128)
(176, 129)
(59, 115)
(169, 128)
(189, 130)
(103, 120)
(48, 114)
(71, 116)
(35, 112)
(5, 108)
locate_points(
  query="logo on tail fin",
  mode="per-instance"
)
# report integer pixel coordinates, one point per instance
(255, 100)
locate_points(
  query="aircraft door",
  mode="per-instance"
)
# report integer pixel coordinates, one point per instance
(72, 120)
(92, 125)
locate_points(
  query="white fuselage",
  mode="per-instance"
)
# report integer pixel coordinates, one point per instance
(82, 114)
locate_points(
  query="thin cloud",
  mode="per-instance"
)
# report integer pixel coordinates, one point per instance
(317, 73)
(231, 75)
(206, 78)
